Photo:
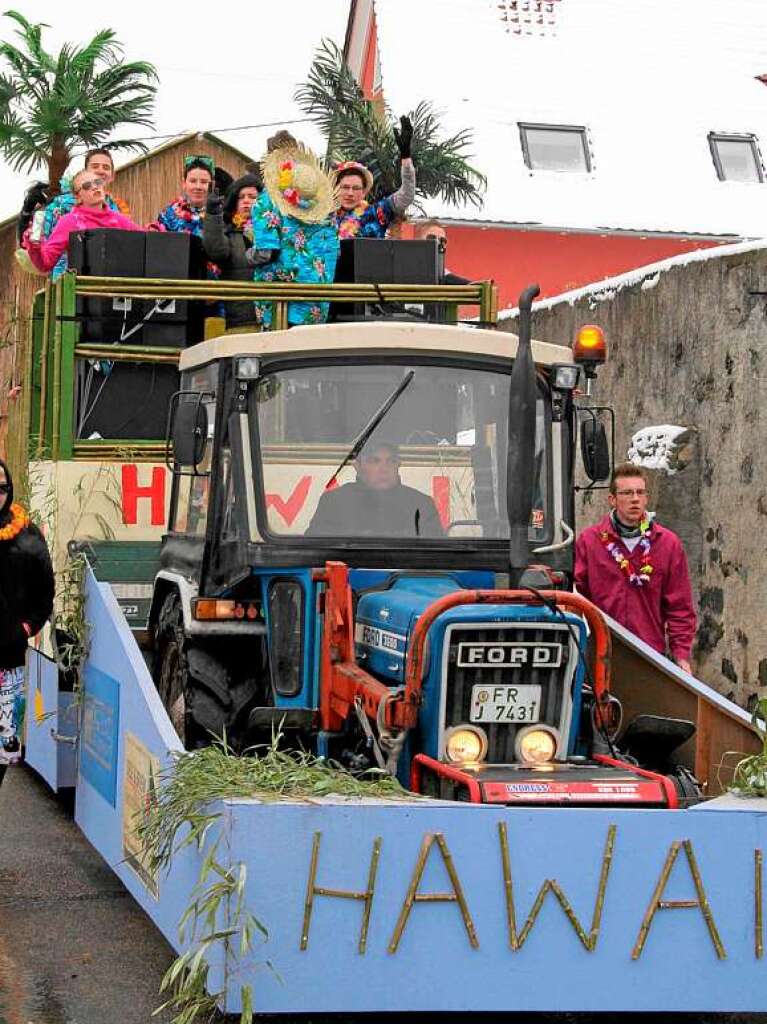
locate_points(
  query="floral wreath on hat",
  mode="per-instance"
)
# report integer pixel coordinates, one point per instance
(282, 171)
(285, 185)
(354, 165)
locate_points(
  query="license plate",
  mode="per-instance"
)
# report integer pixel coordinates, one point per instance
(517, 704)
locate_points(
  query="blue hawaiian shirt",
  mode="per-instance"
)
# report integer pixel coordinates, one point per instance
(366, 220)
(307, 254)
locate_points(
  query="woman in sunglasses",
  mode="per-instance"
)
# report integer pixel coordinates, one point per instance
(26, 602)
(100, 162)
(90, 211)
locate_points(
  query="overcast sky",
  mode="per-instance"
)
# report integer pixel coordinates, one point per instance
(220, 65)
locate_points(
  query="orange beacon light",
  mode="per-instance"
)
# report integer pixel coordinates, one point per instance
(590, 348)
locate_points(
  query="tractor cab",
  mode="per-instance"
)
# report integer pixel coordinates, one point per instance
(371, 550)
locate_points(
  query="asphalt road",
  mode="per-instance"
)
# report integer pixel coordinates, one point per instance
(76, 949)
(74, 946)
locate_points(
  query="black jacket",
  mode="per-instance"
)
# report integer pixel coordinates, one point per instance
(26, 586)
(227, 246)
(356, 510)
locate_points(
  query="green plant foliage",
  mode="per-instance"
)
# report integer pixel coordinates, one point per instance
(52, 104)
(355, 129)
(181, 816)
(750, 777)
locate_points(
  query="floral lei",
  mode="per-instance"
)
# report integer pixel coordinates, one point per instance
(636, 579)
(285, 185)
(19, 521)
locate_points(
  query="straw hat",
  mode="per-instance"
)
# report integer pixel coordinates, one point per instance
(353, 165)
(297, 184)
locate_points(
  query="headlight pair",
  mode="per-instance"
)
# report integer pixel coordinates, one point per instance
(535, 744)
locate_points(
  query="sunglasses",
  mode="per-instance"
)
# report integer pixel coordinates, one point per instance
(206, 161)
(90, 185)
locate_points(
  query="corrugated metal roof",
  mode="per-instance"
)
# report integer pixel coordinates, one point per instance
(649, 79)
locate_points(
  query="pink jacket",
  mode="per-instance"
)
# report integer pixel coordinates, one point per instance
(45, 253)
(659, 608)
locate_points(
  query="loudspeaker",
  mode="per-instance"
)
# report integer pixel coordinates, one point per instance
(107, 252)
(385, 261)
(125, 401)
(181, 256)
(111, 252)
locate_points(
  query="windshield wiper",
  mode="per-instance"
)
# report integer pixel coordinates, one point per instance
(362, 438)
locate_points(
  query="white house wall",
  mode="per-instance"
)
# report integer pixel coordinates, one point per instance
(649, 79)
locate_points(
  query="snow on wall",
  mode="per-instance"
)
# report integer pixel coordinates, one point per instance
(648, 79)
(658, 447)
(648, 276)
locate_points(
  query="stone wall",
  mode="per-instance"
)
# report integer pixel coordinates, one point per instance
(687, 345)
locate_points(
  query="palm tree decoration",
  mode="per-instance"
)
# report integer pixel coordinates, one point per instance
(356, 129)
(51, 105)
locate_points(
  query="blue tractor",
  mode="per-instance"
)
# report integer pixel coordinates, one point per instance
(370, 550)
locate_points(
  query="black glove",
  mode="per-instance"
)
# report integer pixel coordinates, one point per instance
(214, 204)
(404, 137)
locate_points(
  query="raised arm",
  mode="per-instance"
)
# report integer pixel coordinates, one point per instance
(405, 194)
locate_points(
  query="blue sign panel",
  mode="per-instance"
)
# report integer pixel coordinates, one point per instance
(101, 717)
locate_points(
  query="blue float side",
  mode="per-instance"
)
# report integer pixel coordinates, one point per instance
(436, 968)
(49, 713)
(120, 706)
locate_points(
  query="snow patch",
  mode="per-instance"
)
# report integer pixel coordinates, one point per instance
(659, 447)
(607, 289)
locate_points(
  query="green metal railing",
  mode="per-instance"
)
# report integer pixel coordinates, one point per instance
(54, 346)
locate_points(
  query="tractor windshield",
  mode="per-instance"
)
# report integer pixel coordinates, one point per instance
(422, 450)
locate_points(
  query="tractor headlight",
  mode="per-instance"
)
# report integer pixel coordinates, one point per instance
(465, 743)
(535, 745)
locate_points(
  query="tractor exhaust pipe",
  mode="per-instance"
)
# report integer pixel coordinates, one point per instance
(520, 455)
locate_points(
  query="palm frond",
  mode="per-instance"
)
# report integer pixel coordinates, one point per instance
(355, 129)
(52, 105)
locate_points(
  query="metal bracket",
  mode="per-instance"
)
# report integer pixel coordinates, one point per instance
(59, 738)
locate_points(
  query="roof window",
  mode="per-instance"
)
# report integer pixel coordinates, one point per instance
(555, 147)
(736, 157)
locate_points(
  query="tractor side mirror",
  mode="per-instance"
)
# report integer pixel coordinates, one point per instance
(187, 430)
(595, 451)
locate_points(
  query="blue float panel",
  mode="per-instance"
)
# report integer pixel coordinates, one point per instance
(663, 910)
(50, 714)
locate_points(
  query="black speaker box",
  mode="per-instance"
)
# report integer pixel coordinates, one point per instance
(129, 402)
(107, 252)
(111, 252)
(180, 256)
(385, 261)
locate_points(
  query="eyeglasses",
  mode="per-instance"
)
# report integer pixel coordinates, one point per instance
(442, 239)
(630, 494)
(90, 185)
(206, 161)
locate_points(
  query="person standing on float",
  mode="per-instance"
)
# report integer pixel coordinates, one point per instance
(26, 602)
(635, 570)
(355, 216)
(294, 241)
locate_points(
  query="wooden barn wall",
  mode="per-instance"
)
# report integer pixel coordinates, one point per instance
(16, 291)
(147, 185)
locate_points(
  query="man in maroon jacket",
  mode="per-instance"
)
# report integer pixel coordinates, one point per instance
(635, 570)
